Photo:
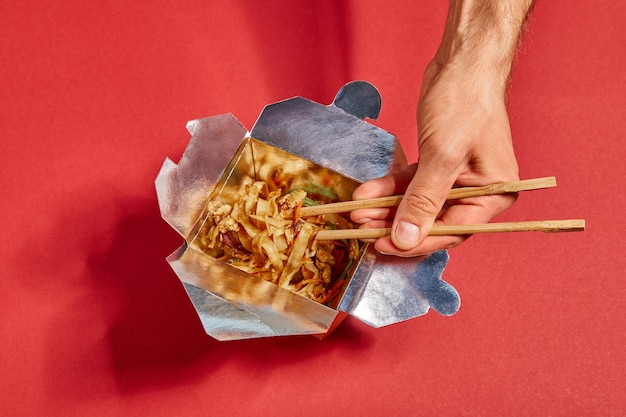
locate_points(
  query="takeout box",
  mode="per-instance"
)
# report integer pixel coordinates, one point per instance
(314, 141)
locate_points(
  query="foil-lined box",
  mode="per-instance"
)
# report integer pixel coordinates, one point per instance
(313, 142)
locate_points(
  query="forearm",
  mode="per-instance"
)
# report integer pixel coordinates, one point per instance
(481, 37)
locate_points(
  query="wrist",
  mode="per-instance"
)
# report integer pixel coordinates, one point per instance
(481, 37)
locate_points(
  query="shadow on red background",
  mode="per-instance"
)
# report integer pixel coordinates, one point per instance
(134, 310)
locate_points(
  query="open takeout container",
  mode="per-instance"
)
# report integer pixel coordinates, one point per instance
(309, 138)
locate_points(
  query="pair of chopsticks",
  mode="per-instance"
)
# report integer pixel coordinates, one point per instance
(455, 194)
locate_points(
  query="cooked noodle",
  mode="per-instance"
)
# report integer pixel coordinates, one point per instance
(260, 232)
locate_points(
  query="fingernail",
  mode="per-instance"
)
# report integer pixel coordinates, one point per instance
(407, 234)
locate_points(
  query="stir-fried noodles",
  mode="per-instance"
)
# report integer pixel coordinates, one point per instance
(262, 233)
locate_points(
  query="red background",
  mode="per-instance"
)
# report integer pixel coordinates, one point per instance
(94, 95)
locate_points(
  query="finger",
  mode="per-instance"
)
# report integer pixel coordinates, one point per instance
(363, 216)
(429, 245)
(472, 211)
(374, 224)
(391, 184)
(422, 202)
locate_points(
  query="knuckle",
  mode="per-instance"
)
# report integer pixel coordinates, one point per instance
(422, 202)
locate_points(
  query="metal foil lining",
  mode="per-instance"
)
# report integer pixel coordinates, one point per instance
(232, 304)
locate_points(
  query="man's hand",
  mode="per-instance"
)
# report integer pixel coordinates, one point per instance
(464, 138)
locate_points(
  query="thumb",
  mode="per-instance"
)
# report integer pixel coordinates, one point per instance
(422, 203)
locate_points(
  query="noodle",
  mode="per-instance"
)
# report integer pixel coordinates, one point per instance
(261, 232)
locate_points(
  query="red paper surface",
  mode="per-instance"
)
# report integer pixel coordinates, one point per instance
(94, 96)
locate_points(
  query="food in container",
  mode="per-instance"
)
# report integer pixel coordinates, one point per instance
(253, 223)
(234, 197)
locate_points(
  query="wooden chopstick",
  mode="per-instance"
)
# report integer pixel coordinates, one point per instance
(549, 226)
(455, 194)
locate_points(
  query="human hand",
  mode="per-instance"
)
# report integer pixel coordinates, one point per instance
(464, 139)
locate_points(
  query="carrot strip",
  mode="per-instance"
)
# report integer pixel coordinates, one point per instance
(332, 293)
(305, 282)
